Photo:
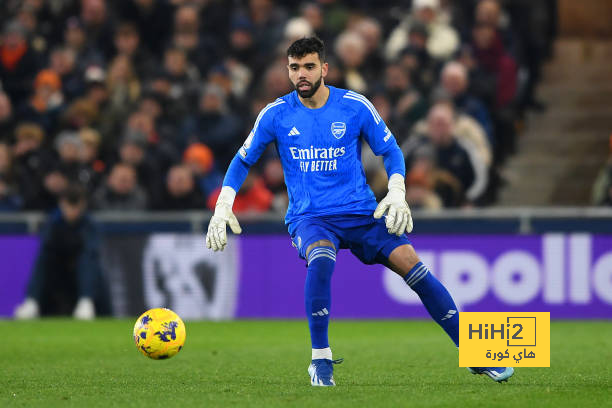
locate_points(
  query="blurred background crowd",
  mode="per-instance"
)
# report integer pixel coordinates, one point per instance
(145, 102)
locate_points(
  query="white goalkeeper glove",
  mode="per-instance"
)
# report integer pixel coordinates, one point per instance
(399, 219)
(216, 238)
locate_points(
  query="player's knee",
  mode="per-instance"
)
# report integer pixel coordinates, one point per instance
(319, 243)
(403, 259)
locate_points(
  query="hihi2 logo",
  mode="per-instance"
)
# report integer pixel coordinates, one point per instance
(500, 339)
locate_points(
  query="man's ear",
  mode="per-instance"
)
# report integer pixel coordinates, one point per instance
(324, 69)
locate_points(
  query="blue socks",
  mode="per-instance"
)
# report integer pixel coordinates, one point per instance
(317, 294)
(436, 299)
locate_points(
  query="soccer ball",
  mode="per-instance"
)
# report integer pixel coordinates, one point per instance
(159, 333)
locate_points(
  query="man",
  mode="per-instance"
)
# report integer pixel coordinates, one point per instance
(317, 131)
(67, 275)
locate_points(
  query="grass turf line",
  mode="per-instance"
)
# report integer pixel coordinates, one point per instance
(263, 363)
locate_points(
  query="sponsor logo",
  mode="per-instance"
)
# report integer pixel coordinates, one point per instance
(293, 132)
(310, 158)
(317, 153)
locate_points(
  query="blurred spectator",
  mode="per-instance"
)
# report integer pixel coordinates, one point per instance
(416, 59)
(151, 18)
(127, 42)
(81, 113)
(6, 161)
(122, 83)
(199, 50)
(495, 66)
(242, 43)
(162, 149)
(90, 154)
(63, 62)
(69, 146)
(75, 38)
(253, 196)
(471, 137)
(133, 151)
(268, 23)
(123, 90)
(371, 32)
(215, 126)
(408, 105)
(275, 82)
(274, 180)
(32, 162)
(183, 78)
(494, 80)
(234, 77)
(18, 63)
(46, 103)
(602, 187)
(7, 118)
(67, 276)
(440, 144)
(296, 28)
(9, 197)
(455, 83)
(145, 80)
(351, 50)
(429, 186)
(95, 86)
(313, 13)
(442, 40)
(200, 160)
(97, 24)
(121, 191)
(420, 192)
(181, 192)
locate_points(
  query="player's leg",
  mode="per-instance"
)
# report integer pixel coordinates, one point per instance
(404, 261)
(321, 258)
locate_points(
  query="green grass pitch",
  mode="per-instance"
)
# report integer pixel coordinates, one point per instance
(57, 363)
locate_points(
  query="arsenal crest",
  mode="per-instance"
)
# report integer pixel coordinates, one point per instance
(338, 129)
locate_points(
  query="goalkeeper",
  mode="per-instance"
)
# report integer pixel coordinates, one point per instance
(318, 130)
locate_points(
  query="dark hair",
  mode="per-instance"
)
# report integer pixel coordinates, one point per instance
(305, 46)
(74, 194)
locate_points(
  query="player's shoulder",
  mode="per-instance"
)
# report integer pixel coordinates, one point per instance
(275, 106)
(271, 110)
(359, 103)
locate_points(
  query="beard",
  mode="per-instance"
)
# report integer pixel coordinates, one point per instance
(308, 92)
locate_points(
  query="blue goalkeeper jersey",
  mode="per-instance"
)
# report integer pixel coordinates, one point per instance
(320, 150)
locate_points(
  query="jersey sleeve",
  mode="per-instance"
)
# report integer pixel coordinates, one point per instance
(373, 128)
(261, 135)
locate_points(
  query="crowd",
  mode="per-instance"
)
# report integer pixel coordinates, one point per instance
(143, 103)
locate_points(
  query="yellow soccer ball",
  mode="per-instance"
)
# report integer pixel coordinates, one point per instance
(159, 333)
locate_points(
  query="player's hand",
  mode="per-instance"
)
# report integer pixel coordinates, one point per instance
(399, 219)
(216, 238)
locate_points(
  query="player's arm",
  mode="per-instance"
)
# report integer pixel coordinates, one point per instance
(261, 135)
(382, 142)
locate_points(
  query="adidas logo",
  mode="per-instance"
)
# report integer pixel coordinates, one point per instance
(294, 132)
(321, 312)
(450, 314)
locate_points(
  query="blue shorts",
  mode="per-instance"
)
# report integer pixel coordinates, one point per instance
(366, 236)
